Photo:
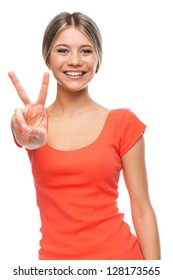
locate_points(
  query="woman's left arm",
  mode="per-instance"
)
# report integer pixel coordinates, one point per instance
(143, 215)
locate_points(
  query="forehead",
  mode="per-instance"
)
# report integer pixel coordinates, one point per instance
(72, 36)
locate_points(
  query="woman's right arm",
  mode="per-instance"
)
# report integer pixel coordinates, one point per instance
(29, 125)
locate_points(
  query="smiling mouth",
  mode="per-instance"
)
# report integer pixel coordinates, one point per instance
(74, 73)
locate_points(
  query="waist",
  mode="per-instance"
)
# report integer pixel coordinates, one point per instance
(106, 238)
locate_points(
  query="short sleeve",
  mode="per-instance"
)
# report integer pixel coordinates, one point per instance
(131, 128)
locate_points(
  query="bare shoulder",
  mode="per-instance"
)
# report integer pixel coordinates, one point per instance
(99, 111)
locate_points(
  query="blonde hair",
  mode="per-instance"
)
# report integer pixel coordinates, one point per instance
(63, 20)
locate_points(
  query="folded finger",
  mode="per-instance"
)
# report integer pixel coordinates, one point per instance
(19, 119)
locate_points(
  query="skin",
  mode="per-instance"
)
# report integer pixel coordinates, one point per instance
(29, 124)
(75, 120)
(143, 215)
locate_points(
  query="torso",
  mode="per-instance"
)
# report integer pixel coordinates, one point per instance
(77, 191)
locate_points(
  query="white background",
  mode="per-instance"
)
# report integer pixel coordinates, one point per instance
(137, 72)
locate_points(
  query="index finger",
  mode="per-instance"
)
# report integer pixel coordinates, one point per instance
(44, 89)
(20, 90)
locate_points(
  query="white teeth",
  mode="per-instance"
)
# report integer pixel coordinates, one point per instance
(74, 73)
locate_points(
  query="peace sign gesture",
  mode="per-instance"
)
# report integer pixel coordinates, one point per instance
(29, 124)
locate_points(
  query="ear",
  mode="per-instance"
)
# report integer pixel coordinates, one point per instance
(49, 66)
(97, 68)
(48, 63)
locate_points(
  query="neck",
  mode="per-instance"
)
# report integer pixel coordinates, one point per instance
(71, 103)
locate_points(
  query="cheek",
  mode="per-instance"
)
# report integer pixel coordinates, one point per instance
(55, 62)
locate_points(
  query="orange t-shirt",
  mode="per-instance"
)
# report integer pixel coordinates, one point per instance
(77, 195)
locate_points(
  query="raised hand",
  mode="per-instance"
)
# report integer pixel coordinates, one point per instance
(29, 125)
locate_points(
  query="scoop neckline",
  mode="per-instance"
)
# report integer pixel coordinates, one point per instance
(86, 146)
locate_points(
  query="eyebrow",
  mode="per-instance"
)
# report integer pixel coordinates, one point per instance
(82, 46)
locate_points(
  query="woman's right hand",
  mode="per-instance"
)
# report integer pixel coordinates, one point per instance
(29, 125)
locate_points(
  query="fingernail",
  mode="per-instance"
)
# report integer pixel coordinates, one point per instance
(29, 130)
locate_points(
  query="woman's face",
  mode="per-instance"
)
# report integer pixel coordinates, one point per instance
(73, 60)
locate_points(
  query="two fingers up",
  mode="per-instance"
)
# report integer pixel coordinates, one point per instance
(29, 124)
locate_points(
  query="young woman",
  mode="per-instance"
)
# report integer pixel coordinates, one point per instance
(77, 149)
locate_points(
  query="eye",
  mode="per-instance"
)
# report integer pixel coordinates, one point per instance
(86, 51)
(62, 51)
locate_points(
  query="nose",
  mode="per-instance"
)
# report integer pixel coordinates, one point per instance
(74, 59)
